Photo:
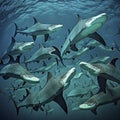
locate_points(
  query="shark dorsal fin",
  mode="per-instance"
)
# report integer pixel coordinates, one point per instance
(79, 18)
(60, 101)
(49, 76)
(35, 20)
(113, 61)
(41, 46)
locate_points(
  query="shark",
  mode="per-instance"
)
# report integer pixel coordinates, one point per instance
(44, 68)
(84, 28)
(104, 59)
(17, 48)
(15, 70)
(86, 47)
(52, 91)
(112, 96)
(38, 29)
(45, 53)
(103, 72)
(80, 92)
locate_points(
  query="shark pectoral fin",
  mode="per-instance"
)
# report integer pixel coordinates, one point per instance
(94, 111)
(34, 37)
(11, 59)
(113, 61)
(102, 84)
(97, 37)
(60, 101)
(46, 36)
(73, 47)
(49, 76)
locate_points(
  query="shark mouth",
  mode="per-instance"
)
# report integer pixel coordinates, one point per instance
(89, 67)
(57, 52)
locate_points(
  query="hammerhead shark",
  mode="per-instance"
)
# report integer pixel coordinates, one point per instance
(15, 70)
(84, 28)
(44, 68)
(112, 96)
(17, 48)
(38, 29)
(103, 72)
(52, 91)
(45, 53)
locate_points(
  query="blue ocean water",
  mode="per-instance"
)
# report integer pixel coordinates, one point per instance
(57, 12)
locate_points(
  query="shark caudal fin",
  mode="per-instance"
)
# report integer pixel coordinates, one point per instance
(16, 29)
(60, 101)
(57, 52)
(11, 60)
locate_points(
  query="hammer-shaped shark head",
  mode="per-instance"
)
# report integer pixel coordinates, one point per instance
(90, 67)
(55, 27)
(93, 24)
(26, 46)
(65, 79)
(99, 19)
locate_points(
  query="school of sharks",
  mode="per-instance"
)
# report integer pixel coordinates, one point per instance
(29, 91)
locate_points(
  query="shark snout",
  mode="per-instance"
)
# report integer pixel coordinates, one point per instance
(68, 76)
(27, 46)
(55, 27)
(31, 78)
(89, 67)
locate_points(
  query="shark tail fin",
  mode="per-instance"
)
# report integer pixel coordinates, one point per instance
(18, 59)
(16, 29)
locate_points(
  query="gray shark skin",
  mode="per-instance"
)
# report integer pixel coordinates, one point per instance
(38, 29)
(90, 46)
(45, 53)
(112, 96)
(18, 48)
(100, 60)
(44, 68)
(17, 71)
(52, 91)
(80, 92)
(107, 71)
(84, 28)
